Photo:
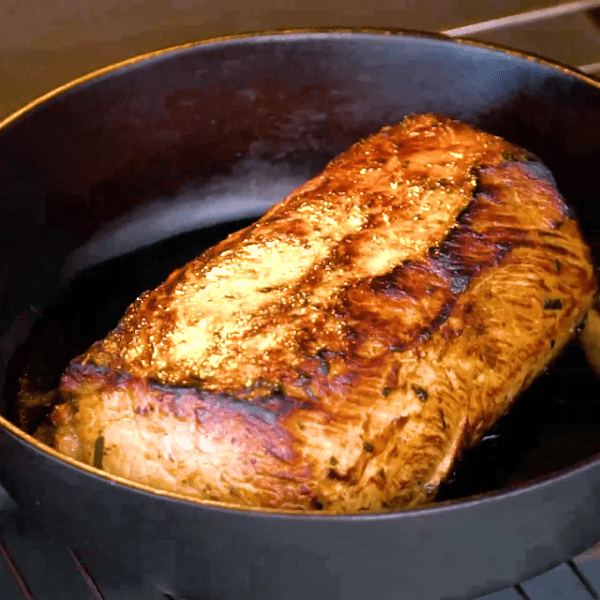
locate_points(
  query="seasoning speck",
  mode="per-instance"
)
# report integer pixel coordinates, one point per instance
(98, 451)
(558, 265)
(420, 392)
(367, 447)
(386, 391)
(323, 368)
(333, 461)
(552, 303)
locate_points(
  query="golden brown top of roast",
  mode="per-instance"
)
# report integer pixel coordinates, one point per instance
(367, 257)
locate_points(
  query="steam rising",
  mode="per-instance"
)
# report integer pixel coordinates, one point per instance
(251, 188)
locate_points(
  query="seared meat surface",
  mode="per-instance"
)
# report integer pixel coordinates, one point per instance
(343, 350)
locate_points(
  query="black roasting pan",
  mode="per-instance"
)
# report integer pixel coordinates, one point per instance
(110, 182)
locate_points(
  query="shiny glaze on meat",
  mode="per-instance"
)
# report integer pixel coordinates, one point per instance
(340, 352)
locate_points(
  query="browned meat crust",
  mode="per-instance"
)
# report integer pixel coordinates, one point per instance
(343, 350)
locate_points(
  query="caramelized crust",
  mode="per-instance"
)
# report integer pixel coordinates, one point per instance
(340, 352)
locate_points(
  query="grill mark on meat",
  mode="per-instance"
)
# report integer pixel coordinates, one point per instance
(451, 266)
(184, 402)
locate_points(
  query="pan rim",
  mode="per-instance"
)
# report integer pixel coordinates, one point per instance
(289, 33)
(286, 34)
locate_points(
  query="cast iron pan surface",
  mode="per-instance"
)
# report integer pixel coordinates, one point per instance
(111, 183)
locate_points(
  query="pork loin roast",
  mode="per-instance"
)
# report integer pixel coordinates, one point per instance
(341, 352)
